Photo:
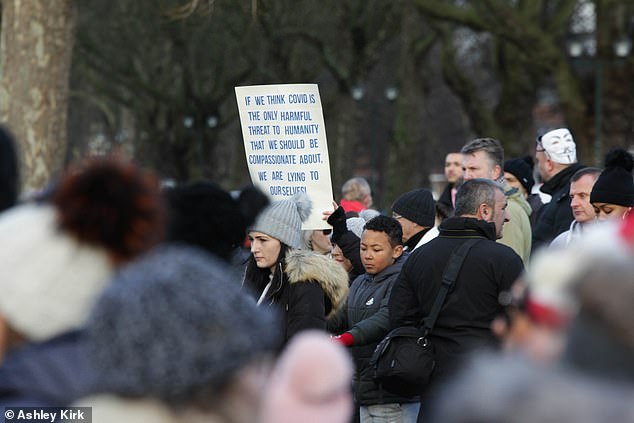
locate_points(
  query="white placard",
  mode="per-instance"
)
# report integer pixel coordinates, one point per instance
(285, 144)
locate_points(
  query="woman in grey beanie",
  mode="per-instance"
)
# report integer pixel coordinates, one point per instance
(304, 286)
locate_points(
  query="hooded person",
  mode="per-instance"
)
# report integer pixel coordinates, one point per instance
(174, 339)
(303, 286)
(56, 260)
(612, 194)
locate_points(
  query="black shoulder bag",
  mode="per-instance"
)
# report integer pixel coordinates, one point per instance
(403, 361)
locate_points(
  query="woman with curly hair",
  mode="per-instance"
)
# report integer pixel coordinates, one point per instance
(56, 259)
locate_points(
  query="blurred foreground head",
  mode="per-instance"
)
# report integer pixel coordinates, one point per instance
(57, 257)
(310, 383)
(496, 389)
(174, 327)
(584, 288)
(601, 336)
(205, 215)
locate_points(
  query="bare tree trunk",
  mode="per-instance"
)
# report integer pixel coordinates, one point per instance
(35, 52)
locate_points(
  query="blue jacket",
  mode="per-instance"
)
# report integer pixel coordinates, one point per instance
(53, 373)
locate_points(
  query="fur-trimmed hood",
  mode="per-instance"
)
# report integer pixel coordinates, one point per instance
(304, 265)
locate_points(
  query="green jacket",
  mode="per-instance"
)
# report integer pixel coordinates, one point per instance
(517, 233)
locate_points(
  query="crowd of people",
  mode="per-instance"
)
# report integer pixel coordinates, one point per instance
(191, 303)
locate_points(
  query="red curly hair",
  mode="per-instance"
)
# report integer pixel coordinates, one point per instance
(109, 203)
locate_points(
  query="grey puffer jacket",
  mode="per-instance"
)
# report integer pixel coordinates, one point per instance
(365, 316)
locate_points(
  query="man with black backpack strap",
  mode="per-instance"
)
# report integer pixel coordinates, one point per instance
(463, 323)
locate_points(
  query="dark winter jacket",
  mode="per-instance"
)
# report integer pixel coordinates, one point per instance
(311, 288)
(444, 203)
(536, 204)
(365, 316)
(464, 321)
(555, 217)
(350, 244)
(347, 241)
(52, 373)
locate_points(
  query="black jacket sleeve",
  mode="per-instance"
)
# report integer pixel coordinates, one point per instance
(306, 308)
(349, 244)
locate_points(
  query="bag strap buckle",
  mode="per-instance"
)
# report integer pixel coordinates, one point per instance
(423, 341)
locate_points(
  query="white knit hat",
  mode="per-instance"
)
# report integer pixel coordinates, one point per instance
(49, 281)
(355, 225)
(283, 219)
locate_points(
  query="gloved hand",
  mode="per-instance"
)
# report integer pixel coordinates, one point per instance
(345, 338)
(338, 222)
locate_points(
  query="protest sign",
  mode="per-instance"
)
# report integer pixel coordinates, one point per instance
(285, 144)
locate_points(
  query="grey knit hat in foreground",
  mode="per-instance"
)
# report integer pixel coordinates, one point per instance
(417, 206)
(174, 324)
(283, 219)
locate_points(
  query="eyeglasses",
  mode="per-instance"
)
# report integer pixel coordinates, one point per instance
(326, 231)
(397, 216)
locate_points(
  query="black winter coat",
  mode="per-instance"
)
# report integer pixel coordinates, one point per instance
(556, 216)
(365, 315)
(350, 244)
(444, 202)
(311, 288)
(464, 321)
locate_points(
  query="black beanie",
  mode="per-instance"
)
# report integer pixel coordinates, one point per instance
(522, 170)
(615, 184)
(418, 206)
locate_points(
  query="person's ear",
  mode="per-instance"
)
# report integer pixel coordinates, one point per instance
(397, 251)
(497, 172)
(484, 212)
(550, 165)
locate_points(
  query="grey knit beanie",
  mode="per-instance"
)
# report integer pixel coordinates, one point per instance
(283, 219)
(174, 324)
(417, 206)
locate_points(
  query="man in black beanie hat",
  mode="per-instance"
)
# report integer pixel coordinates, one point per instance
(416, 212)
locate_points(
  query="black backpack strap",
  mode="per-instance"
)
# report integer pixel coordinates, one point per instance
(449, 277)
